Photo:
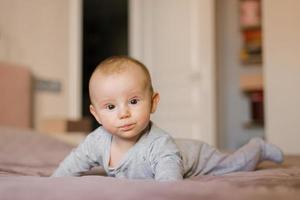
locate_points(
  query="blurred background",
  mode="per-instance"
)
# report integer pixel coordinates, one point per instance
(227, 70)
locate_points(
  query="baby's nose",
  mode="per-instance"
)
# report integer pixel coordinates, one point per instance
(124, 112)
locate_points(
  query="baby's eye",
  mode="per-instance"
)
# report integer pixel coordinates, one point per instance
(110, 107)
(134, 101)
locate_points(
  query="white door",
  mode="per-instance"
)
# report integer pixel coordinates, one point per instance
(175, 39)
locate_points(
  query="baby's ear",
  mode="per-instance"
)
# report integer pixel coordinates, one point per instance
(155, 101)
(94, 113)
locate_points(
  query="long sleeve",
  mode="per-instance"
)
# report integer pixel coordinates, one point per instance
(166, 160)
(81, 159)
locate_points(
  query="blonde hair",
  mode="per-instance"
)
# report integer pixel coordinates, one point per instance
(118, 64)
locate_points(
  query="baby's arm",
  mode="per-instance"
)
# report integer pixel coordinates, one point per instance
(79, 160)
(166, 160)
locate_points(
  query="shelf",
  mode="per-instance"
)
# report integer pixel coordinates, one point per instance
(251, 82)
(251, 54)
(253, 124)
(251, 32)
(252, 27)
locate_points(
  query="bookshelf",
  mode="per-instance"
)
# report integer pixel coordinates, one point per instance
(251, 32)
(251, 54)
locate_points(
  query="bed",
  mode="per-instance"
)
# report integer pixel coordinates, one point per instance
(28, 157)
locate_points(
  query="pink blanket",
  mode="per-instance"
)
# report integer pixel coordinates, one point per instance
(25, 152)
(26, 157)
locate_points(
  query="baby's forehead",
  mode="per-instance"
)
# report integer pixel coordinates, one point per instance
(120, 67)
(134, 72)
(131, 74)
(106, 86)
(114, 69)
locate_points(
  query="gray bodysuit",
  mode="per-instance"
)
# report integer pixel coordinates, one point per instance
(157, 156)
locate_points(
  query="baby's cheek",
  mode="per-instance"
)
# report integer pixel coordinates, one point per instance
(145, 119)
(108, 124)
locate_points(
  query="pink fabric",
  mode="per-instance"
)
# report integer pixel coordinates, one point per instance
(15, 96)
(25, 156)
(29, 153)
(275, 185)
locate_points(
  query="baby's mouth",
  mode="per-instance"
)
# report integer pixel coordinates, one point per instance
(127, 127)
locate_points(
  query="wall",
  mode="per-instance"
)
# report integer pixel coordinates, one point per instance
(282, 73)
(36, 33)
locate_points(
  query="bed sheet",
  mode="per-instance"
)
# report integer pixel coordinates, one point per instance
(27, 158)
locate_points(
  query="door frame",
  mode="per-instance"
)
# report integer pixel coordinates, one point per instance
(75, 60)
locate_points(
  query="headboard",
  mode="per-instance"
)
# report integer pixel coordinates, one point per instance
(15, 95)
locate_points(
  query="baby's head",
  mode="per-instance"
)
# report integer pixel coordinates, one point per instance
(122, 96)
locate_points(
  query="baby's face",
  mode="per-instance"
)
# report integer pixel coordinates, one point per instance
(122, 103)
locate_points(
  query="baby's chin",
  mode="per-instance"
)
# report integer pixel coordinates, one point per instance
(130, 135)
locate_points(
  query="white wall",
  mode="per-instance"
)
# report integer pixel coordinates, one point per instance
(282, 72)
(36, 33)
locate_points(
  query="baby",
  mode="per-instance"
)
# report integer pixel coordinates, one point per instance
(129, 145)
